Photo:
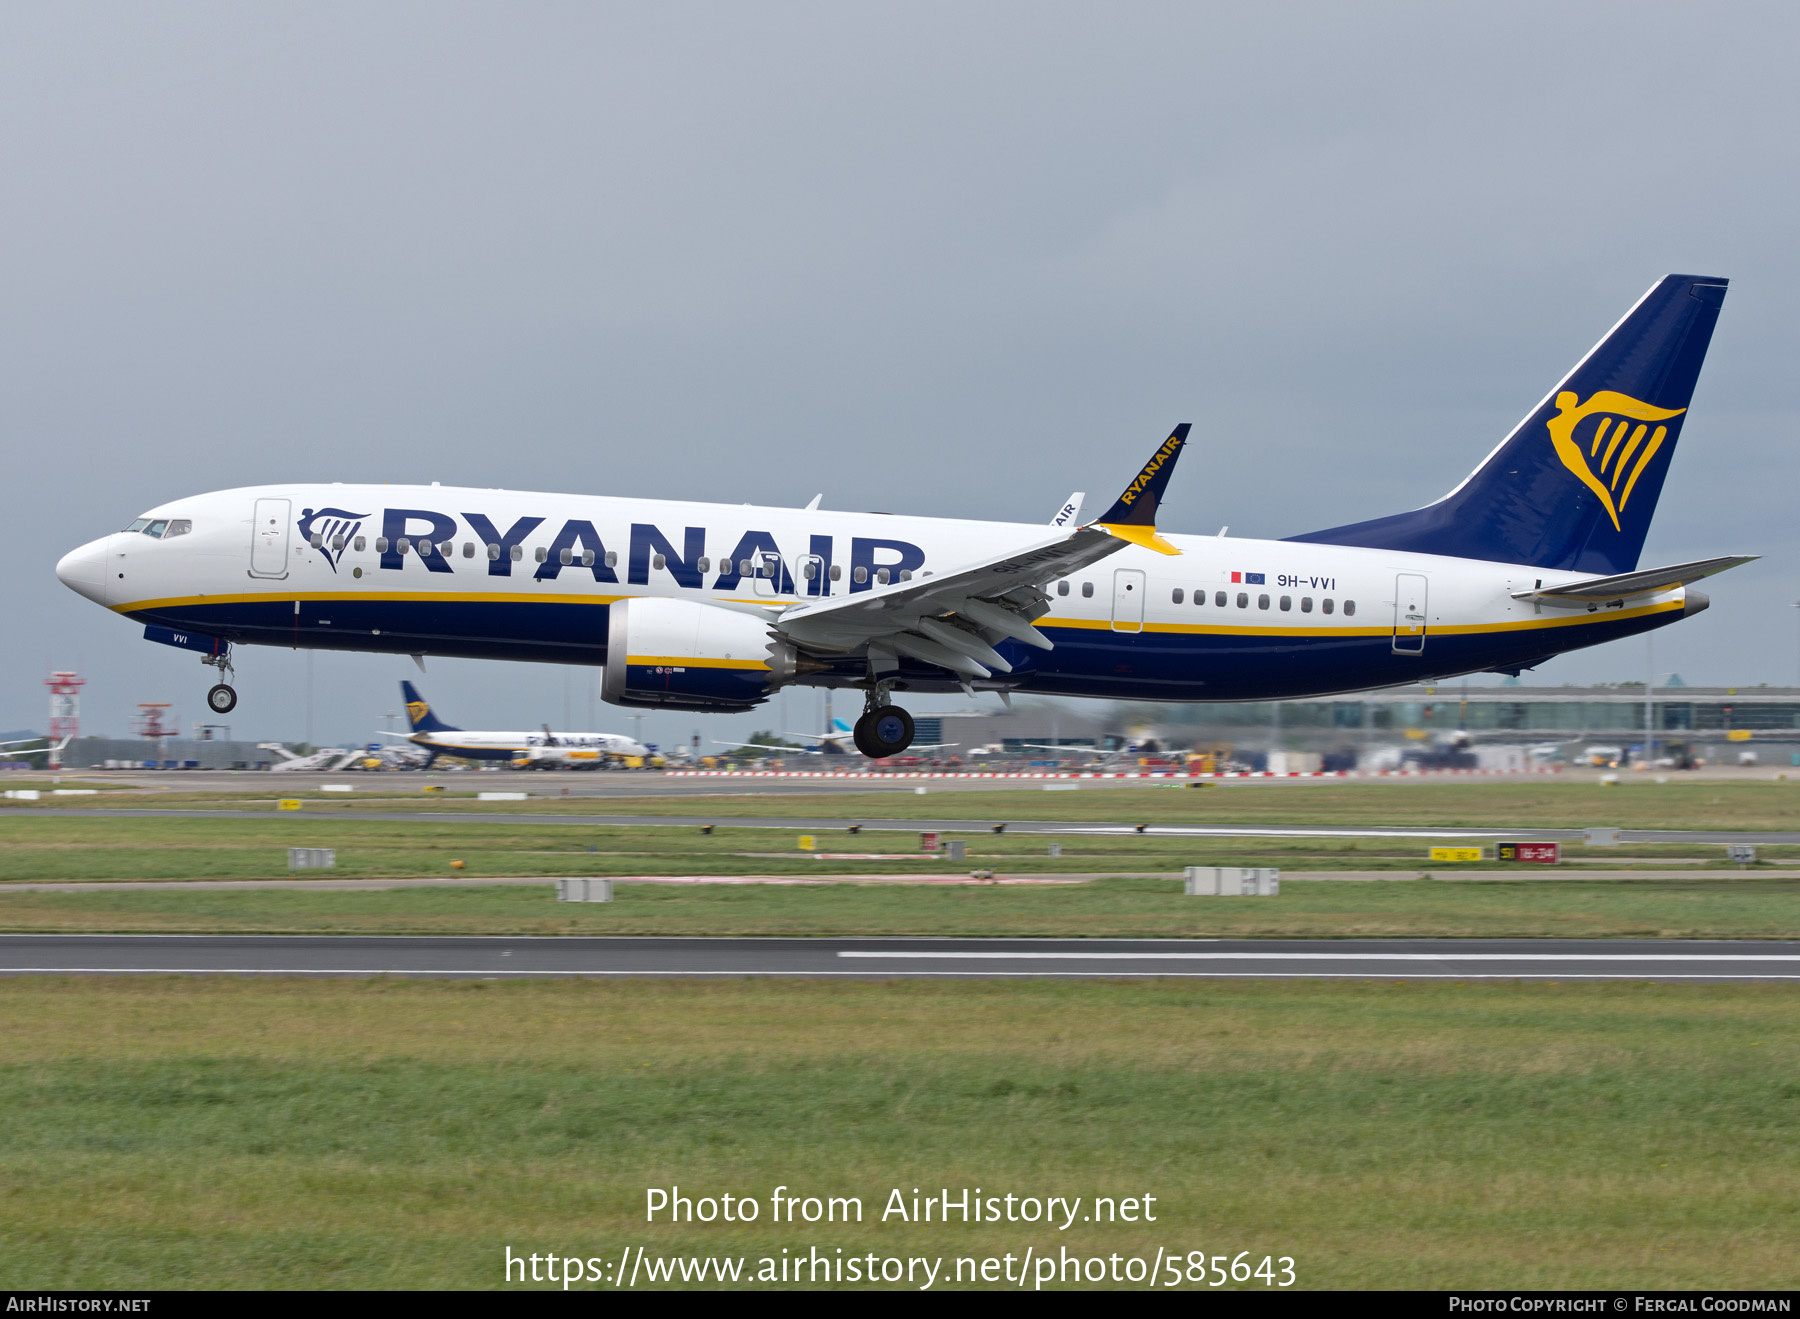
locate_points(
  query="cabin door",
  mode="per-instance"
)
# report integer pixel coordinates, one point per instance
(269, 538)
(1409, 613)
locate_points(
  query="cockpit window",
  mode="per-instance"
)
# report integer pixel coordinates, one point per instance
(162, 528)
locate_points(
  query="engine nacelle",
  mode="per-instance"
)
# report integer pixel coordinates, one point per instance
(682, 655)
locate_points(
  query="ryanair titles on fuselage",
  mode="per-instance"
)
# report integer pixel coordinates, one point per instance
(577, 546)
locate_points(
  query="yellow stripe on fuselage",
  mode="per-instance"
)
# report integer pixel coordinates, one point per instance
(445, 597)
(1433, 629)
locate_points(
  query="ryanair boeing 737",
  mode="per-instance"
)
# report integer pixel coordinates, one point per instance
(715, 606)
(546, 749)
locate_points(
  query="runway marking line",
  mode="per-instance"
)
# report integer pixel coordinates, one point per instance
(492, 974)
(1342, 957)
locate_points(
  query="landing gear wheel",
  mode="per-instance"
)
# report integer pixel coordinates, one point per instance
(884, 731)
(221, 699)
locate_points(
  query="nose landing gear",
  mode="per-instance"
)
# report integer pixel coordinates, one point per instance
(221, 698)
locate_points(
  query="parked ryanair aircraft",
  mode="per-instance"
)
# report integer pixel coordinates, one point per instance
(563, 750)
(713, 607)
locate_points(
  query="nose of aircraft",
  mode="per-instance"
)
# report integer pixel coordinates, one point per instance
(84, 570)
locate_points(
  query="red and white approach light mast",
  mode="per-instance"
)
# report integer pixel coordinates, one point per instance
(65, 713)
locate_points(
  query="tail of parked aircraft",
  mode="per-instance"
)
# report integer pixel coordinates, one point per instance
(1574, 485)
(418, 712)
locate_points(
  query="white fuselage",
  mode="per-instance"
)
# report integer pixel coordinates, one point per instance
(339, 566)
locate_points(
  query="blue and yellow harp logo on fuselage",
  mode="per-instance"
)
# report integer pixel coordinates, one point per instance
(1607, 443)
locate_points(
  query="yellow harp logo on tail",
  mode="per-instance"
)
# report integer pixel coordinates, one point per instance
(417, 710)
(1616, 452)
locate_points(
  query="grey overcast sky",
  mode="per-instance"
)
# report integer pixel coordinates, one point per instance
(955, 259)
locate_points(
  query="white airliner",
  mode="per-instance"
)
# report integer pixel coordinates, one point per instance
(824, 744)
(545, 749)
(703, 607)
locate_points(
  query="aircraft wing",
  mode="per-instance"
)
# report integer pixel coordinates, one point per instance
(1646, 582)
(765, 746)
(382, 732)
(36, 751)
(953, 619)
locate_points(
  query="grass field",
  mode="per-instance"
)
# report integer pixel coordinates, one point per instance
(1656, 907)
(1572, 801)
(1659, 901)
(220, 1133)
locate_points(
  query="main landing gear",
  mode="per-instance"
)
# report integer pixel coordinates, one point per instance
(884, 730)
(221, 698)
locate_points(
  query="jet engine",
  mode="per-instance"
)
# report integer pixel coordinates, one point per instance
(683, 655)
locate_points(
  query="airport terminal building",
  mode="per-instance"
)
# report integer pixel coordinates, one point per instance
(1499, 723)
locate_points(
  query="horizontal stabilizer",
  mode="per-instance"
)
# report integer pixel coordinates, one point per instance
(1648, 582)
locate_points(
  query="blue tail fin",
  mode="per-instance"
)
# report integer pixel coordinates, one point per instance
(1574, 485)
(418, 712)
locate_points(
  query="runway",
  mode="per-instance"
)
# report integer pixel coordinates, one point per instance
(324, 811)
(514, 957)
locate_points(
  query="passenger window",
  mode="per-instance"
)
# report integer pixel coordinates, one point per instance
(587, 558)
(468, 549)
(403, 545)
(1349, 609)
(1087, 590)
(1325, 605)
(1219, 599)
(1243, 600)
(612, 558)
(837, 572)
(1176, 595)
(745, 567)
(906, 574)
(446, 548)
(542, 553)
(518, 552)
(881, 577)
(156, 529)
(1287, 603)
(316, 540)
(361, 544)
(1306, 604)
(703, 564)
(658, 561)
(860, 575)
(1062, 588)
(381, 545)
(810, 570)
(565, 556)
(1262, 602)
(337, 544)
(493, 552)
(181, 527)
